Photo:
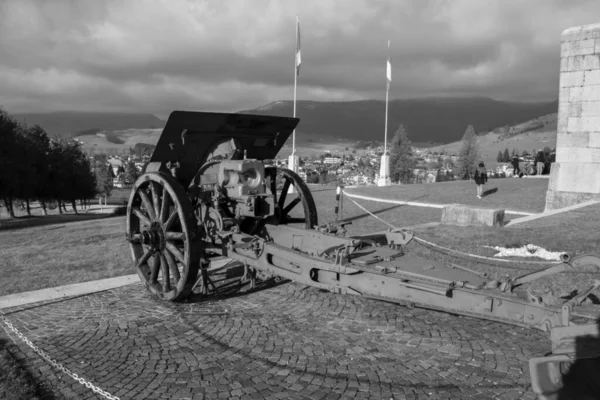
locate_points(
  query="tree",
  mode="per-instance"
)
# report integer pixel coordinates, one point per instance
(8, 160)
(506, 157)
(524, 153)
(104, 178)
(500, 156)
(402, 160)
(468, 155)
(439, 176)
(131, 173)
(38, 149)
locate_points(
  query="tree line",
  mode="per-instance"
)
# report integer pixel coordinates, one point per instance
(50, 169)
(403, 161)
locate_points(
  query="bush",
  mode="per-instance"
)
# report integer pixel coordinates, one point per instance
(120, 211)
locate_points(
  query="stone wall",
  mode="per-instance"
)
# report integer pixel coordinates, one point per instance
(575, 177)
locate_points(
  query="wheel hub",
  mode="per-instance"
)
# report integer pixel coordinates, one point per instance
(153, 236)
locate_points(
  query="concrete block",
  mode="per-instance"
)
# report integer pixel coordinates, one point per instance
(578, 47)
(553, 181)
(575, 94)
(564, 64)
(581, 63)
(588, 109)
(584, 32)
(584, 93)
(569, 79)
(591, 77)
(575, 63)
(591, 62)
(594, 139)
(556, 199)
(576, 140)
(577, 177)
(564, 94)
(591, 93)
(578, 155)
(574, 109)
(562, 123)
(458, 214)
(583, 124)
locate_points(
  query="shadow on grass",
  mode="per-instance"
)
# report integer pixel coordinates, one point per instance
(360, 216)
(39, 220)
(16, 379)
(490, 191)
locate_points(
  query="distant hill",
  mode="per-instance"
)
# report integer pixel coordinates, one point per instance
(72, 124)
(427, 120)
(531, 135)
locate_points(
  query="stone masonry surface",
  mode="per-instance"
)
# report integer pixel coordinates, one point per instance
(282, 342)
(574, 177)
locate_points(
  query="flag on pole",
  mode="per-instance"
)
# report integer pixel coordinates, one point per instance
(298, 57)
(389, 69)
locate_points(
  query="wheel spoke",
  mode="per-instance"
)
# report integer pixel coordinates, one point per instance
(273, 176)
(176, 252)
(172, 266)
(141, 215)
(174, 235)
(171, 219)
(289, 207)
(144, 258)
(154, 269)
(154, 199)
(147, 204)
(284, 191)
(166, 281)
(164, 205)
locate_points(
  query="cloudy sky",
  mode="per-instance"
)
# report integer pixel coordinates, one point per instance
(227, 55)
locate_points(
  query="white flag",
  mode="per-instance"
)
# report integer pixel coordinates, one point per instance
(389, 68)
(298, 56)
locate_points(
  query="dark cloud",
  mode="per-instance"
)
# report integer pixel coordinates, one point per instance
(160, 55)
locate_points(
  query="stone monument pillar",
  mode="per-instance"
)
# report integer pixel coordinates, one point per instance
(384, 171)
(575, 176)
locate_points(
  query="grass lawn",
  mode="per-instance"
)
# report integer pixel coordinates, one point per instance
(573, 231)
(62, 250)
(526, 194)
(70, 252)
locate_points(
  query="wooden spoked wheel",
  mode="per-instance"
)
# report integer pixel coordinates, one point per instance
(291, 208)
(163, 236)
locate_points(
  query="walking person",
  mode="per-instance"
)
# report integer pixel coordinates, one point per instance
(539, 162)
(480, 178)
(515, 165)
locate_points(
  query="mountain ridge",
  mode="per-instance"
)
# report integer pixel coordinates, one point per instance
(432, 120)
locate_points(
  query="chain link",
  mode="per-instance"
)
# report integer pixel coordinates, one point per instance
(54, 363)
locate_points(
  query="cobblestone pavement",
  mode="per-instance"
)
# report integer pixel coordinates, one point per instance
(283, 342)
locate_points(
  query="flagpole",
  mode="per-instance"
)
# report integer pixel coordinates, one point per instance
(384, 168)
(295, 86)
(387, 93)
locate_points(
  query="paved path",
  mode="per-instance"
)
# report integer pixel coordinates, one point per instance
(283, 342)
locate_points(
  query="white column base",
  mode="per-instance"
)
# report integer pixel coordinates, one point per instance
(293, 162)
(384, 171)
(384, 181)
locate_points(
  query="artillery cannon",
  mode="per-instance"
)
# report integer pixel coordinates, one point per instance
(207, 195)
